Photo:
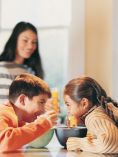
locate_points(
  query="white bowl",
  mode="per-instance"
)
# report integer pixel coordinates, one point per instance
(43, 140)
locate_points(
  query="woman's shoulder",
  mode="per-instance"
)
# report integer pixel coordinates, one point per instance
(12, 65)
(11, 68)
(6, 63)
(14, 68)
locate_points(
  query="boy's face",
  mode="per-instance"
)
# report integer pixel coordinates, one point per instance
(34, 107)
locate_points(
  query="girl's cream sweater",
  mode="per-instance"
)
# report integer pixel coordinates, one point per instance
(105, 133)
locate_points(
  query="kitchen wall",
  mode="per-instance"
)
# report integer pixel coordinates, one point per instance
(91, 42)
(52, 19)
(77, 37)
(99, 42)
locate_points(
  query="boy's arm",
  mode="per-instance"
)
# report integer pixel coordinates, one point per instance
(106, 138)
(14, 138)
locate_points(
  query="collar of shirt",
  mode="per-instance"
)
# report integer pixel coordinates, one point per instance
(89, 111)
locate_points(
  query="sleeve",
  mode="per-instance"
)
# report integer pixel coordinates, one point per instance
(106, 140)
(14, 138)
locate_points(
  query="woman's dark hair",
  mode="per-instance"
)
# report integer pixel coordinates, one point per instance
(9, 51)
(86, 87)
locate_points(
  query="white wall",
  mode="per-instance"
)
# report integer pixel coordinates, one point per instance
(52, 19)
(75, 37)
(76, 52)
(43, 13)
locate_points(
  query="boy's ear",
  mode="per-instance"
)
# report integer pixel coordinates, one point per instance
(22, 98)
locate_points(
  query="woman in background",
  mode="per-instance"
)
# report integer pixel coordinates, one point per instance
(87, 100)
(20, 55)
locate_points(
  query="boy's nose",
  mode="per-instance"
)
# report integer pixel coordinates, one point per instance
(43, 110)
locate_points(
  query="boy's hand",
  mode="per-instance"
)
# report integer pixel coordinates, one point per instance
(49, 105)
(51, 116)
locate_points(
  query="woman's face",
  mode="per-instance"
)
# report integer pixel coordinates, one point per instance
(74, 108)
(26, 45)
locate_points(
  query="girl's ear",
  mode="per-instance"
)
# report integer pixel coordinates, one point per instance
(85, 103)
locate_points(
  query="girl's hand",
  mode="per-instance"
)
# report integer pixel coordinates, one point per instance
(73, 144)
(90, 137)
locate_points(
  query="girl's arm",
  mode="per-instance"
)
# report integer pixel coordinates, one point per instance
(106, 133)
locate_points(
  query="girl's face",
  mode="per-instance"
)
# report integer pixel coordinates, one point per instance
(74, 108)
(26, 45)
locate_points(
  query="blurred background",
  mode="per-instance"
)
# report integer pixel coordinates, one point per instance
(76, 37)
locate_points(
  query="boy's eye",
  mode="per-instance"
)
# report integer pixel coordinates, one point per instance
(41, 103)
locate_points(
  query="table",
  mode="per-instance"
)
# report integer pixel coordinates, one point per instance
(52, 152)
(54, 149)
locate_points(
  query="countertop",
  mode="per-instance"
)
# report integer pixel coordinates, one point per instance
(53, 149)
(60, 152)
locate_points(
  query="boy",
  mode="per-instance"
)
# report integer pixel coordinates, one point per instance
(20, 120)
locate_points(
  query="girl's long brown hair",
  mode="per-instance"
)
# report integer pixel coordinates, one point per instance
(86, 87)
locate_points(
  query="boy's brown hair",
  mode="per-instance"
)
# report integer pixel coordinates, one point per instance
(29, 85)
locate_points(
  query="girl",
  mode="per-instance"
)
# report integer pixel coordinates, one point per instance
(87, 100)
